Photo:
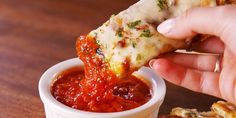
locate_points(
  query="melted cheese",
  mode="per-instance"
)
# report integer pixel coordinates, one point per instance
(142, 42)
(183, 5)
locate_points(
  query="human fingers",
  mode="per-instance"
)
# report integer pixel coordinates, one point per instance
(199, 81)
(210, 45)
(228, 76)
(219, 21)
(202, 62)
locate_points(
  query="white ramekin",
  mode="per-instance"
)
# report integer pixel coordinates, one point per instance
(55, 109)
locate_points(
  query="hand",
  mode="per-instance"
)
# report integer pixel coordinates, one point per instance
(196, 72)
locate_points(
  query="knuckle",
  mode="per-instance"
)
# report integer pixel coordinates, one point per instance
(198, 62)
(222, 11)
(226, 17)
(227, 8)
(185, 22)
(202, 86)
(226, 12)
(187, 16)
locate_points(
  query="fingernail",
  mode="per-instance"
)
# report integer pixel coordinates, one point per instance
(151, 63)
(166, 26)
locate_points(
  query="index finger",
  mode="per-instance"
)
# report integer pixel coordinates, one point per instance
(195, 80)
(218, 21)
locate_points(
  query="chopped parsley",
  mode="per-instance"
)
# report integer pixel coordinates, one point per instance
(162, 4)
(132, 25)
(134, 44)
(146, 33)
(95, 34)
(119, 32)
(106, 46)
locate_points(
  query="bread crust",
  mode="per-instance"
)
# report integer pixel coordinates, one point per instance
(220, 109)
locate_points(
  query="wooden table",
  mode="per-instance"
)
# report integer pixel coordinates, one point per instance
(36, 34)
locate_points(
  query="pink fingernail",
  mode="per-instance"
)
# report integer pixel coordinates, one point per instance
(166, 26)
(151, 63)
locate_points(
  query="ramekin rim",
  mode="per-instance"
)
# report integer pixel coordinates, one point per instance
(48, 99)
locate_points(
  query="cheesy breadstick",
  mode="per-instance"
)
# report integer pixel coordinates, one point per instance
(129, 40)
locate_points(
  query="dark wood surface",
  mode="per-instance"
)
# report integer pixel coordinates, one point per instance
(36, 34)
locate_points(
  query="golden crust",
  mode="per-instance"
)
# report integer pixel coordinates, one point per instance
(224, 109)
(134, 29)
(223, 2)
(219, 109)
(205, 3)
(182, 112)
(168, 116)
(192, 113)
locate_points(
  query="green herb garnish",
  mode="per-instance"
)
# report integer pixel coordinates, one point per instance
(119, 32)
(162, 4)
(132, 25)
(95, 34)
(134, 44)
(146, 33)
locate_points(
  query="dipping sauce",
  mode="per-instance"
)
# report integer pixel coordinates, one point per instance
(95, 87)
(126, 94)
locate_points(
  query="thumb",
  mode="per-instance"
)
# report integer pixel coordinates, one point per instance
(219, 21)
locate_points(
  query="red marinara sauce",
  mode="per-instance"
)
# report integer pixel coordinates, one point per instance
(95, 88)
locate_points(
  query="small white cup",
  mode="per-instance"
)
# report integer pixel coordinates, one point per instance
(55, 109)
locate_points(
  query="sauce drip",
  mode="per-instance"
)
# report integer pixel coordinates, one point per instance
(95, 88)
